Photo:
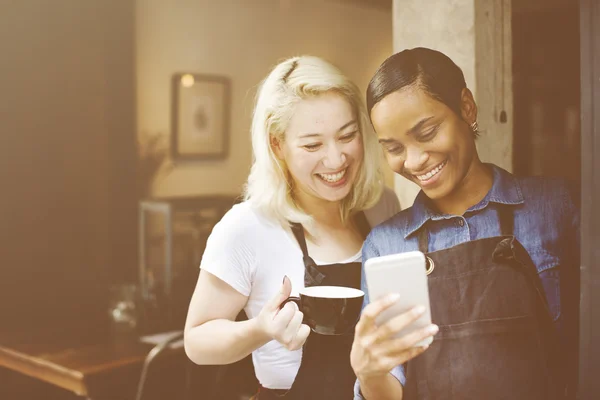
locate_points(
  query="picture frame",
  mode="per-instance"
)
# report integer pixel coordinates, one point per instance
(200, 116)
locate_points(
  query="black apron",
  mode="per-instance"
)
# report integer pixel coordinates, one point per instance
(325, 372)
(496, 339)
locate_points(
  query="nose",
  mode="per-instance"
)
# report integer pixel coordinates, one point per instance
(334, 158)
(415, 159)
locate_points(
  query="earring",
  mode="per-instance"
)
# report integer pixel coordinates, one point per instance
(475, 126)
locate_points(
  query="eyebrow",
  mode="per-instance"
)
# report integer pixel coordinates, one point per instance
(418, 126)
(387, 141)
(307, 135)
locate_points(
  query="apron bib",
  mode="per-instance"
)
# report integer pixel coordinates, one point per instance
(325, 372)
(496, 339)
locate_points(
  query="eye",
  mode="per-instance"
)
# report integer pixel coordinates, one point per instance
(312, 146)
(394, 149)
(349, 136)
(430, 134)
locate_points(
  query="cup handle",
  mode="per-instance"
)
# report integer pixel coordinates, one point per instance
(291, 298)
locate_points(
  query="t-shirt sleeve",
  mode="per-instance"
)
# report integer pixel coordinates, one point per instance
(230, 252)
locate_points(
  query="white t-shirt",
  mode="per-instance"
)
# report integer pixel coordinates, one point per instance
(252, 254)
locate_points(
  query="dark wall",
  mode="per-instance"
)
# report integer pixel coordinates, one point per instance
(547, 92)
(67, 147)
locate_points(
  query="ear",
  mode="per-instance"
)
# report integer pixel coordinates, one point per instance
(468, 107)
(276, 146)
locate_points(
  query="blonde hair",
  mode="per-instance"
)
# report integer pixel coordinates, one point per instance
(270, 186)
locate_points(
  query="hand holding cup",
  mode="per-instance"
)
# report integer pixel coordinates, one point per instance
(281, 320)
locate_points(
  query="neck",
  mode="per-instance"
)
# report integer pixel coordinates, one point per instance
(475, 185)
(323, 212)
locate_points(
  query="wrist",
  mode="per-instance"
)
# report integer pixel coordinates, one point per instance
(372, 377)
(256, 330)
(370, 381)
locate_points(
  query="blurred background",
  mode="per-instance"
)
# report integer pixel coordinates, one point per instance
(124, 129)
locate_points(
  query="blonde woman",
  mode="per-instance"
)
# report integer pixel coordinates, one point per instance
(316, 169)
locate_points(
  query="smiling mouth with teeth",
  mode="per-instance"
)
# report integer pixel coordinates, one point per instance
(333, 178)
(432, 173)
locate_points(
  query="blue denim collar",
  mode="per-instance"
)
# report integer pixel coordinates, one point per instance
(505, 190)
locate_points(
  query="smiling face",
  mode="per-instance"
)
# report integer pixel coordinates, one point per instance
(425, 141)
(322, 147)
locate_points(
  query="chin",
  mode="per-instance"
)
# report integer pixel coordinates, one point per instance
(335, 197)
(333, 194)
(439, 192)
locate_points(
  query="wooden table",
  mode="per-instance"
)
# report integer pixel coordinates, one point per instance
(92, 369)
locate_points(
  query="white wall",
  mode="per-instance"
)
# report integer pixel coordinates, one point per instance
(476, 35)
(242, 40)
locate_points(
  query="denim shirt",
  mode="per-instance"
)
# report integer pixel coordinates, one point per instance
(546, 222)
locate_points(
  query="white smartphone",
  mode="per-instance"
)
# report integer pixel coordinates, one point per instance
(405, 274)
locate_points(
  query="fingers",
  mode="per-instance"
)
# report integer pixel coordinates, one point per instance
(372, 311)
(389, 362)
(407, 343)
(300, 338)
(283, 318)
(292, 329)
(292, 333)
(286, 287)
(397, 324)
(386, 356)
(283, 293)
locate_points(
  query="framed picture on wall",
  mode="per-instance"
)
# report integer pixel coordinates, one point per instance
(199, 117)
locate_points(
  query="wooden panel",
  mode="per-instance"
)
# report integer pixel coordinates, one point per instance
(381, 4)
(589, 384)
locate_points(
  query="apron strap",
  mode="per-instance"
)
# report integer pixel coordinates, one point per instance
(505, 216)
(312, 275)
(507, 220)
(363, 224)
(298, 232)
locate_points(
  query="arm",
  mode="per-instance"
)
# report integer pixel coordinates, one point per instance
(376, 355)
(212, 336)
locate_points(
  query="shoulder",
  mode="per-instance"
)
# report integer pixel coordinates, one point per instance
(551, 202)
(241, 222)
(389, 236)
(387, 206)
(397, 224)
(547, 193)
(232, 250)
(239, 216)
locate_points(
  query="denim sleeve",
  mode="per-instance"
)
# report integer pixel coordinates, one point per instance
(397, 372)
(369, 250)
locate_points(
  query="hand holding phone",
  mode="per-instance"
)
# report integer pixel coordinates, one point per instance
(404, 274)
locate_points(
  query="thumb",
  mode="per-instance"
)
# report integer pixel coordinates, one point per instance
(283, 293)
